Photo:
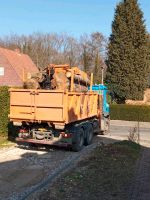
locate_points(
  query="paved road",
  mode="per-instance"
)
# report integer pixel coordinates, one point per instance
(121, 129)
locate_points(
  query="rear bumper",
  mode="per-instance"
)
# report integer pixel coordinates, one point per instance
(55, 142)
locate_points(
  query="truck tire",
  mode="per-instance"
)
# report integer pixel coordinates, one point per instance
(96, 127)
(78, 140)
(88, 134)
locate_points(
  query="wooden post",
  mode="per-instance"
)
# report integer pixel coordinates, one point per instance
(23, 75)
(102, 76)
(72, 80)
(91, 83)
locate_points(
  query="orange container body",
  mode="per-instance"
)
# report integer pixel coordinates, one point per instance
(56, 107)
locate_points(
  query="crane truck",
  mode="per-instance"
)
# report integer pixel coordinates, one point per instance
(59, 106)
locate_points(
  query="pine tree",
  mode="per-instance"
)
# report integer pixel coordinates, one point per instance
(127, 72)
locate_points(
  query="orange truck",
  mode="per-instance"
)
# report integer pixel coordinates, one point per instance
(62, 114)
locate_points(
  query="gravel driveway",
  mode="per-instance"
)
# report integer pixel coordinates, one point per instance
(24, 170)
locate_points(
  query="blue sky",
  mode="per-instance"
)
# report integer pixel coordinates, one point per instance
(74, 17)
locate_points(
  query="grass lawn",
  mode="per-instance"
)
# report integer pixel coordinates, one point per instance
(4, 142)
(106, 175)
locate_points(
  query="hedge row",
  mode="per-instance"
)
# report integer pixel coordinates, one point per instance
(6, 128)
(130, 112)
(4, 110)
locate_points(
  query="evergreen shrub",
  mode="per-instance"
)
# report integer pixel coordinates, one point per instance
(4, 110)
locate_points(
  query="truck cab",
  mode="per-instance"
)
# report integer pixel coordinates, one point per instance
(102, 90)
(105, 121)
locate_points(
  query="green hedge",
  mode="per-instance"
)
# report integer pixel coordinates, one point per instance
(6, 128)
(130, 112)
(4, 110)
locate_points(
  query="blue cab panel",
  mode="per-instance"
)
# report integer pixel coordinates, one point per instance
(102, 89)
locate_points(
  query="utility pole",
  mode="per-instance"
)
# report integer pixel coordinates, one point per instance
(102, 75)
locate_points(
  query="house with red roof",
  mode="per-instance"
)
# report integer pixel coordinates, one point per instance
(14, 66)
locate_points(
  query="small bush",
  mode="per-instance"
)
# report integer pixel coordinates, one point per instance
(133, 135)
(130, 112)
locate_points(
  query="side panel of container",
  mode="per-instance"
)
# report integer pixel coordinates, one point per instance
(40, 105)
(21, 105)
(52, 106)
(49, 106)
(82, 106)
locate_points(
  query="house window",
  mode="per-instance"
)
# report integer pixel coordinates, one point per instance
(1, 71)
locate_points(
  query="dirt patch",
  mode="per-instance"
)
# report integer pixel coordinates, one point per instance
(106, 174)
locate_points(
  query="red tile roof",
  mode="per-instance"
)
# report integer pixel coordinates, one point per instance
(21, 63)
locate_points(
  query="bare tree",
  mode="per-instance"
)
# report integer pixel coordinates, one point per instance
(87, 52)
(93, 54)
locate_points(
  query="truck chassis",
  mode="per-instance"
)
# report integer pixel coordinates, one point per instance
(75, 135)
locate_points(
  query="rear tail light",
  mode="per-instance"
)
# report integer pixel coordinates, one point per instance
(23, 131)
(66, 135)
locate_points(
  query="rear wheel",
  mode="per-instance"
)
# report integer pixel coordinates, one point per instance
(78, 140)
(88, 134)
